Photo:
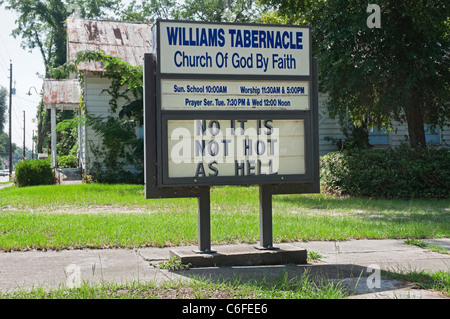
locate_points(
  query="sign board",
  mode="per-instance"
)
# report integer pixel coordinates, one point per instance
(197, 48)
(237, 148)
(230, 104)
(233, 104)
(194, 94)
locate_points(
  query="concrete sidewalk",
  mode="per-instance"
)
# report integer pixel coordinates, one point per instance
(353, 263)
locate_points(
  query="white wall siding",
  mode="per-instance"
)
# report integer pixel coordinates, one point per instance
(445, 136)
(327, 128)
(398, 135)
(96, 100)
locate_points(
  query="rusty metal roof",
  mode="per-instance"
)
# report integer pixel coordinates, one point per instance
(126, 40)
(62, 93)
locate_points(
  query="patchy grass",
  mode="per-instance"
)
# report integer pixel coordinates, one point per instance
(430, 246)
(281, 287)
(100, 216)
(439, 281)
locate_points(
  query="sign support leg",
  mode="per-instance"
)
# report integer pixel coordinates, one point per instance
(204, 222)
(265, 218)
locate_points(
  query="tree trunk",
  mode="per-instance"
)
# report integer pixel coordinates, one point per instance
(43, 127)
(360, 135)
(414, 119)
(40, 138)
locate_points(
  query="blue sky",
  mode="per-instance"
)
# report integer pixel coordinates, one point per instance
(25, 67)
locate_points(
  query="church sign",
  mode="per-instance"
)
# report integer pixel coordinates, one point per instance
(231, 104)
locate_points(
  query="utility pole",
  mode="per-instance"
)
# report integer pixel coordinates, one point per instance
(10, 122)
(23, 135)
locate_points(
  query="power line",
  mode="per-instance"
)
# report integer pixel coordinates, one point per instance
(17, 131)
(1, 64)
(26, 99)
(3, 60)
(3, 68)
(6, 49)
(23, 108)
(23, 129)
(17, 118)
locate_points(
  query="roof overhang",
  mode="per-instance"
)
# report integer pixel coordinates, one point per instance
(128, 41)
(63, 94)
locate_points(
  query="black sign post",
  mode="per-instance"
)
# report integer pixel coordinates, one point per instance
(150, 153)
(265, 218)
(224, 110)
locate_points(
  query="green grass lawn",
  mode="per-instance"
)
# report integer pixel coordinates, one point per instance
(96, 215)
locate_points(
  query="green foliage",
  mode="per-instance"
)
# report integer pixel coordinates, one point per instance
(288, 11)
(126, 80)
(403, 172)
(193, 10)
(398, 72)
(174, 263)
(120, 146)
(244, 11)
(70, 160)
(439, 280)
(40, 24)
(376, 74)
(415, 242)
(3, 108)
(43, 129)
(34, 172)
(67, 161)
(67, 129)
(355, 138)
(150, 10)
(4, 145)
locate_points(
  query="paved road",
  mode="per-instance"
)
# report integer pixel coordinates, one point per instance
(3, 179)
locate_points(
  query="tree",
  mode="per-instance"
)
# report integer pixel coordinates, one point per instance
(4, 146)
(399, 72)
(4, 139)
(149, 10)
(194, 10)
(3, 108)
(41, 24)
(221, 10)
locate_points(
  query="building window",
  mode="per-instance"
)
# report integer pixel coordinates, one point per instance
(378, 137)
(431, 135)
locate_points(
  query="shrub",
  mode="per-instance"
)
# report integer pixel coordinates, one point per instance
(34, 172)
(67, 161)
(115, 177)
(403, 172)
